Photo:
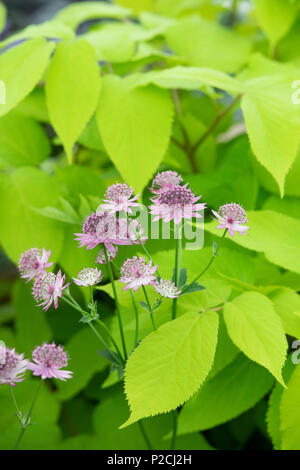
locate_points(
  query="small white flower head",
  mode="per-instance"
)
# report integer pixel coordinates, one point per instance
(48, 288)
(136, 273)
(136, 232)
(12, 367)
(88, 277)
(119, 197)
(111, 254)
(33, 263)
(49, 359)
(167, 289)
(232, 217)
(165, 179)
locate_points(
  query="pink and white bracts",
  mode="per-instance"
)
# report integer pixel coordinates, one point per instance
(136, 273)
(48, 288)
(231, 217)
(49, 359)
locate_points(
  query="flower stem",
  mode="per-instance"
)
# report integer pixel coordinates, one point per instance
(209, 263)
(143, 432)
(178, 253)
(28, 417)
(109, 268)
(136, 317)
(175, 426)
(149, 307)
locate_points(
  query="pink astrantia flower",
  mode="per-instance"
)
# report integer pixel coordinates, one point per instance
(88, 277)
(119, 197)
(164, 180)
(49, 359)
(167, 289)
(231, 216)
(176, 202)
(136, 273)
(48, 288)
(102, 227)
(33, 263)
(12, 368)
(111, 254)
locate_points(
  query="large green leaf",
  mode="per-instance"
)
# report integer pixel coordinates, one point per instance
(273, 124)
(206, 44)
(72, 90)
(268, 231)
(234, 390)
(23, 141)
(290, 413)
(84, 361)
(287, 304)
(29, 60)
(31, 322)
(257, 330)
(275, 17)
(73, 15)
(21, 227)
(170, 364)
(135, 125)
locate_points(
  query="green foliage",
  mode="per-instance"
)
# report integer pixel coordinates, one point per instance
(108, 92)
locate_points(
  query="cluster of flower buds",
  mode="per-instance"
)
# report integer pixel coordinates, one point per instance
(48, 362)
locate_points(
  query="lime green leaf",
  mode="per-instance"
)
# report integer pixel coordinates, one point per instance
(287, 304)
(30, 60)
(111, 44)
(275, 17)
(135, 125)
(138, 5)
(31, 322)
(84, 361)
(206, 44)
(21, 227)
(189, 78)
(272, 123)
(234, 390)
(73, 15)
(257, 331)
(72, 90)
(49, 29)
(289, 413)
(157, 378)
(268, 230)
(23, 141)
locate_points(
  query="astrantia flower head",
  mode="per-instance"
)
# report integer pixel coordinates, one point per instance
(111, 254)
(176, 203)
(49, 359)
(102, 227)
(167, 289)
(164, 180)
(88, 277)
(33, 263)
(12, 368)
(119, 197)
(231, 217)
(48, 288)
(136, 273)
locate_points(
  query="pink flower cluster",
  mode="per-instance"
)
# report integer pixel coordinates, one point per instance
(48, 362)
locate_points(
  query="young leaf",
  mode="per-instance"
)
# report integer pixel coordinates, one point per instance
(170, 364)
(135, 125)
(29, 60)
(231, 392)
(257, 331)
(275, 17)
(72, 90)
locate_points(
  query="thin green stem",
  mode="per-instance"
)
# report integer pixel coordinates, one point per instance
(149, 307)
(24, 426)
(14, 400)
(175, 426)
(178, 254)
(136, 317)
(102, 324)
(116, 301)
(209, 263)
(146, 438)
